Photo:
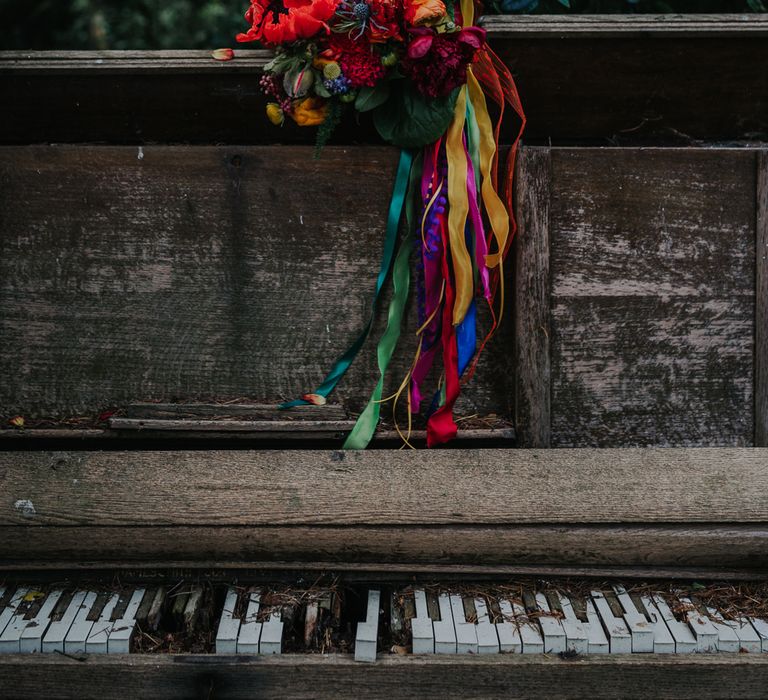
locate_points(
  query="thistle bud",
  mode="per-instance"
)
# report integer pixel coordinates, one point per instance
(331, 70)
(275, 113)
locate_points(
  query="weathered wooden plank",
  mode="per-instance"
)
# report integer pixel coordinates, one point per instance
(368, 573)
(384, 487)
(653, 264)
(501, 27)
(112, 62)
(706, 545)
(658, 68)
(532, 297)
(176, 411)
(160, 273)
(430, 676)
(761, 305)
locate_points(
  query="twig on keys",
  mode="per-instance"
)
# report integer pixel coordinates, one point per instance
(81, 659)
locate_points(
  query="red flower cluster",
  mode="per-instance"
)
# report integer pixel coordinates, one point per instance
(284, 21)
(437, 63)
(360, 64)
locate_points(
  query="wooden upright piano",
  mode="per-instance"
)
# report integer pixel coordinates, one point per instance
(598, 530)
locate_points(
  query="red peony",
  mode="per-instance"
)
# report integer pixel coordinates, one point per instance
(437, 63)
(285, 21)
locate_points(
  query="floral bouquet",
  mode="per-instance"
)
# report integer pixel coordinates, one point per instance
(423, 70)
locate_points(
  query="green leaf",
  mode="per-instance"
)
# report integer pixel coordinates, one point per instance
(369, 98)
(409, 119)
(566, 3)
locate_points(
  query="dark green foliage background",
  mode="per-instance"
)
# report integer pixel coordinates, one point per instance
(177, 24)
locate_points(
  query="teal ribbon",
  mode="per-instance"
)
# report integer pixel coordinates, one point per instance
(344, 362)
(365, 427)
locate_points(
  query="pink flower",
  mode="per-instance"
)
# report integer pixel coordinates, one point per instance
(437, 63)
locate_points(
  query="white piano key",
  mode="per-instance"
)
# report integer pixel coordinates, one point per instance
(421, 625)
(727, 639)
(704, 631)
(229, 625)
(58, 629)
(596, 638)
(761, 627)
(466, 636)
(487, 639)
(575, 634)
(119, 641)
(444, 629)
(271, 640)
(506, 628)
(685, 642)
(639, 627)
(551, 629)
(10, 609)
(12, 623)
(530, 632)
(250, 629)
(749, 639)
(74, 642)
(619, 638)
(367, 634)
(32, 637)
(663, 641)
(98, 637)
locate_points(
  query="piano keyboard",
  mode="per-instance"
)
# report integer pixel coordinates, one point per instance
(268, 620)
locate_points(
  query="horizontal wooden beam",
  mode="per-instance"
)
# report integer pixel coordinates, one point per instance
(644, 546)
(695, 676)
(500, 27)
(139, 62)
(383, 487)
(659, 67)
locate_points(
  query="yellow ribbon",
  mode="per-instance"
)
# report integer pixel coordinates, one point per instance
(494, 207)
(459, 209)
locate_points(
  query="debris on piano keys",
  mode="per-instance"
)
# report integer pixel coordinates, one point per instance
(525, 617)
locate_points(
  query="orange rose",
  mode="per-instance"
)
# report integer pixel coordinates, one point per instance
(311, 111)
(420, 12)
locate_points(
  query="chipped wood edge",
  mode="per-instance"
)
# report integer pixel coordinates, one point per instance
(761, 303)
(532, 297)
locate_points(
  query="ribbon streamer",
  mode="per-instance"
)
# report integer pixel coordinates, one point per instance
(460, 225)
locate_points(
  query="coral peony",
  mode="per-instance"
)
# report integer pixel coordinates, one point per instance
(420, 12)
(285, 21)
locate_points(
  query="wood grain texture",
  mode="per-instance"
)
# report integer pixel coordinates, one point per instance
(161, 273)
(532, 297)
(384, 487)
(683, 546)
(653, 263)
(503, 676)
(761, 305)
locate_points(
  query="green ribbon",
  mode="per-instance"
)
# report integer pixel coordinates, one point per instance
(343, 363)
(364, 428)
